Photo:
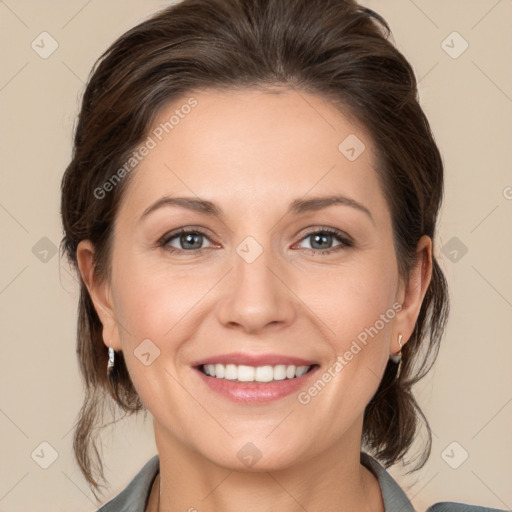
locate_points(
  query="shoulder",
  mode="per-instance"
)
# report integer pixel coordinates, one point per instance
(449, 506)
(395, 499)
(134, 497)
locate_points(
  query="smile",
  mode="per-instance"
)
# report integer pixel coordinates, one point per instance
(254, 378)
(244, 373)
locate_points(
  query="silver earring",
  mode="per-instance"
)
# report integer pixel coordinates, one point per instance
(110, 364)
(396, 358)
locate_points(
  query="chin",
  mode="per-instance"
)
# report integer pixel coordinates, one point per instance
(254, 457)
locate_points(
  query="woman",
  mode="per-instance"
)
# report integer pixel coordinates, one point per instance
(251, 206)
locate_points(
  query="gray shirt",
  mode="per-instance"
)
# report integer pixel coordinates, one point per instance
(135, 496)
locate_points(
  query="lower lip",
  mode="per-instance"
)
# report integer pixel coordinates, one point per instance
(255, 392)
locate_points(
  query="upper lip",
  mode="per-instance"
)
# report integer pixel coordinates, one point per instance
(240, 358)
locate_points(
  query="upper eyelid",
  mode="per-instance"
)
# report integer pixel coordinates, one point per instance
(333, 231)
(171, 235)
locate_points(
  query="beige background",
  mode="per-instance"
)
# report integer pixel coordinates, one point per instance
(467, 397)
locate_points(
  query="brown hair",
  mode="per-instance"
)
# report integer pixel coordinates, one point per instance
(332, 48)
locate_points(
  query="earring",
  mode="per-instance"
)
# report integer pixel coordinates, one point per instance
(110, 364)
(396, 358)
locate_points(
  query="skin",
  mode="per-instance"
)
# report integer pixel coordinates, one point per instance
(252, 153)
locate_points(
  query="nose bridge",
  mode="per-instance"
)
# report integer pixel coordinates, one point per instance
(253, 268)
(256, 296)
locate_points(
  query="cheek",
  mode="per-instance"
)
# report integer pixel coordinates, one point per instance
(360, 316)
(351, 299)
(155, 311)
(153, 300)
(356, 304)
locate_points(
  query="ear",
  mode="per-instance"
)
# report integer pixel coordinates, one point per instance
(412, 292)
(100, 293)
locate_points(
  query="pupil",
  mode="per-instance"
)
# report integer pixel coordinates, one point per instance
(322, 238)
(189, 239)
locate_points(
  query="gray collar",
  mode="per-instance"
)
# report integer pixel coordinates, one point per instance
(135, 496)
(395, 500)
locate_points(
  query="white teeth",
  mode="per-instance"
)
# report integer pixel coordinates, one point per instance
(264, 374)
(301, 370)
(290, 372)
(280, 372)
(244, 373)
(230, 372)
(219, 371)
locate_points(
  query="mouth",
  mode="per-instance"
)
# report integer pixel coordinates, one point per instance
(254, 379)
(260, 374)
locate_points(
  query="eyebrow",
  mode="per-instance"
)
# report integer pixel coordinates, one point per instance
(297, 206)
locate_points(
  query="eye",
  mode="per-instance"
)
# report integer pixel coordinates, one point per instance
(323, 241)
(185, 241)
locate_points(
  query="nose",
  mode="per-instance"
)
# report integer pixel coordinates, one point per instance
(256, 296)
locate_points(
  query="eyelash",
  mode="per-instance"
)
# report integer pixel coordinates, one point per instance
(340, 236)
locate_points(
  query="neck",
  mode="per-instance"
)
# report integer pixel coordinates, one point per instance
(189, 482)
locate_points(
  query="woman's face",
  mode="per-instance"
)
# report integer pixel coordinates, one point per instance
(269, 273)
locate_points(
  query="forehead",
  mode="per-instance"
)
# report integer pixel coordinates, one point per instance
(254, 147)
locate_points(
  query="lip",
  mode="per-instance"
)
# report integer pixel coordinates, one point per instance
(248, 393)
(254, 360)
